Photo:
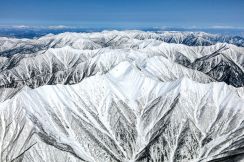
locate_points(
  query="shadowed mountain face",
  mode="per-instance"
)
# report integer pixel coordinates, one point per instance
(121, 96)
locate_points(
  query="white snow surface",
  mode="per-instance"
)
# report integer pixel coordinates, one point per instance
(119, 96)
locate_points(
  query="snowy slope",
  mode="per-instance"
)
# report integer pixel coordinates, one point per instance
(124, 115)
(55, 54)
(122, 96)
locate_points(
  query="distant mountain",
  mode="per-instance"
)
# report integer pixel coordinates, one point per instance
(10, 46)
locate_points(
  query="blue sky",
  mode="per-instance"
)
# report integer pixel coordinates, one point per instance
(124, 13)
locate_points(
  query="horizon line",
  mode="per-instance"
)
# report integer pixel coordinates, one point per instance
(63, 27)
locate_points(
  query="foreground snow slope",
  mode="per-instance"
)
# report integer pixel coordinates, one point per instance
(122, 116)
(122, 96)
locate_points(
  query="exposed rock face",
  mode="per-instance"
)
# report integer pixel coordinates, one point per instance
(121, 96)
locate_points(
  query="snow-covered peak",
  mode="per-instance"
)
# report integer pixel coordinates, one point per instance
(122, 96)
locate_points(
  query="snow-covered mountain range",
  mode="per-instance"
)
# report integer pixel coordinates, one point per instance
(122, 96)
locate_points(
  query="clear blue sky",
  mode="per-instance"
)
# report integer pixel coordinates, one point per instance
(123, 13)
